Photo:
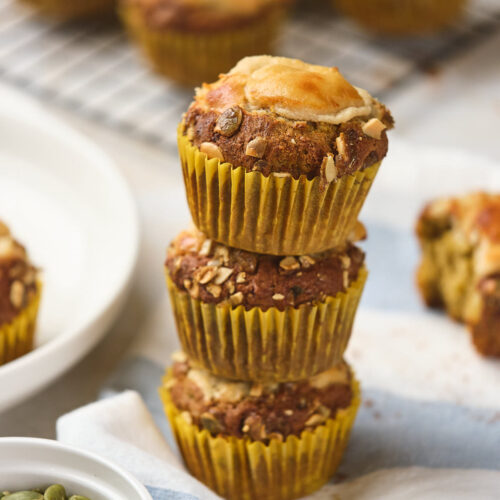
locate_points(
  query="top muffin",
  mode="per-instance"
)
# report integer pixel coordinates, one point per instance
(17, 277)
(202, 15)
(274, 114)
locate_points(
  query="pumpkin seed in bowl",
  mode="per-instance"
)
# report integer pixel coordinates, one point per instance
(53, 492)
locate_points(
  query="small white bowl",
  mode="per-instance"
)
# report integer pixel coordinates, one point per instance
(27, 463)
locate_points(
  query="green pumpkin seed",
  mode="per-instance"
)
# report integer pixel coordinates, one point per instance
(24, 495)
(55, 492)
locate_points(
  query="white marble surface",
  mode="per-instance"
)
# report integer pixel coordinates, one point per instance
(457, 107)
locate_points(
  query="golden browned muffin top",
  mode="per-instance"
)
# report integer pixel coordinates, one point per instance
(17, 276)
(289, 88)
(290, 116)
(475, 221)
(202, 15)
(259, 411)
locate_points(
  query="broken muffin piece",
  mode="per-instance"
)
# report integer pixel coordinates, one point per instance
(460, 267)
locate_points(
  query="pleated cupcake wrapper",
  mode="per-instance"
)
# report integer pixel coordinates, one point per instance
(241, 469)
(276, 214)
(403, 17)
(16, 337)
(270, 345)
(194, 58)
(73, 9)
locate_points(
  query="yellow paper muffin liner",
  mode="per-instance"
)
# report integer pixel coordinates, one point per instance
(74, 9)
(267, 346)
(276, 214)
(241, 469)
(197, 57)
(16, 337)
(402, 17)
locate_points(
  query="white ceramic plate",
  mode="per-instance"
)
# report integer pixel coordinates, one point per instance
(27, 463)
(67, 203)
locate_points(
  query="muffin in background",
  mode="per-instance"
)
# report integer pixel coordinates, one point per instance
(279, 155)
(192, 41)
(261, 317)
(460, 266)
(249, 440)
(402, 17)
(19, 298)
(74, 9)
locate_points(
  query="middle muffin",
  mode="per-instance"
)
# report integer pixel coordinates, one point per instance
(259, 317)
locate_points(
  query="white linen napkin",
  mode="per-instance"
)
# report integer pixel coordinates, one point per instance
(413, 438)
(122, 429)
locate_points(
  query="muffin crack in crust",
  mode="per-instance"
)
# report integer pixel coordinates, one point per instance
(299, 114)
(460, 267)
(17, 277)
(215, 273)
(258, 411)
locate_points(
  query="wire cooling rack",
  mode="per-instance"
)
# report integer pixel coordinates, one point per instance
(93, 70)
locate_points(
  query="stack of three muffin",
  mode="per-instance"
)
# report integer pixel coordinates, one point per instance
(278, 157)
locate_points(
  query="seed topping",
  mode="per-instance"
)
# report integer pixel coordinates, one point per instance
(328, 169)
(211, 150)
(289, 264)
(229, 121)
(306, 261)
(256, 147)
(374, 128)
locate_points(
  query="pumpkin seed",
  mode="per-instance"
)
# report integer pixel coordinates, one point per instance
(229, 121)
(55, 492)
(24, 495)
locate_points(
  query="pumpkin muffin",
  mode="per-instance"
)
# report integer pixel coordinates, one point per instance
(402, 17)
(74, 9)
(19, 298)
(460, 267)
(192, 41)
(278, 155)
(261, 317)
(249, 440)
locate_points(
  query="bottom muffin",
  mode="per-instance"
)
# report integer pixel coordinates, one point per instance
(460, 266)
(267, 441)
